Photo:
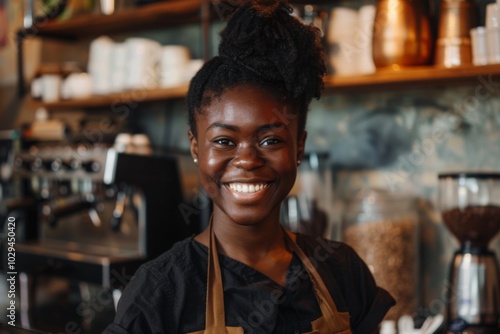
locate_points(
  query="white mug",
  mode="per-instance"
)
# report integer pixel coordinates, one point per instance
(51, 86)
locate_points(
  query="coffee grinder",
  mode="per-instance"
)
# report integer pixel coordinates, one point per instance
(470, 207)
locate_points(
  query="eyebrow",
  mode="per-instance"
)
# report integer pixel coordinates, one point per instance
(224, 126)
(229, 127)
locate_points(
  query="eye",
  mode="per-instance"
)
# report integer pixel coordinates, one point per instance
(223, 142)
(270, 141)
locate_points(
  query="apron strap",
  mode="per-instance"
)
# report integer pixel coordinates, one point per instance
(215, 317)
(328, 307)
(215, 321)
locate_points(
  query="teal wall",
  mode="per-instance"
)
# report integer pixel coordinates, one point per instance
(400, 141)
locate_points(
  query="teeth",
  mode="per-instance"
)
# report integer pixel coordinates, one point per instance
(246, 187)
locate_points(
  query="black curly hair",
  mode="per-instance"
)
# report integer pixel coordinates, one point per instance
(264, 46)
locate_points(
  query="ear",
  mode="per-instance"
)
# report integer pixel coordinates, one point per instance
(301, 145)
(193, 145)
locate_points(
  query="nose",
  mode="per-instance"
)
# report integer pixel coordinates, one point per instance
(247, 157)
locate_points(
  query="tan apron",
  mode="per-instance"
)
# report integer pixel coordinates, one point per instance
(331, 321)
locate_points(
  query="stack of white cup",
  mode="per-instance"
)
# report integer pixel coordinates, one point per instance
(366, 20)
(493, 32)
(118, 67)
(173, 62)
(486, 40)
(99, 67)
(176, 66)
(349, 37)
(479, 45)
(138, 63)
(143, 57)
(342, 29)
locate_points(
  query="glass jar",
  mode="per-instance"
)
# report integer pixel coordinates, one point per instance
(307, 208)
(383, 228)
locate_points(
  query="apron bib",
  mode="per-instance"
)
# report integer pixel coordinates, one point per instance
(330, 322)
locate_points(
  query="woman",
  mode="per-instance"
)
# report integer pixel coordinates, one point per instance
(245, 273)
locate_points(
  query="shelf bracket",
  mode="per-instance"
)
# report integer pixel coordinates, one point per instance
(21, 88)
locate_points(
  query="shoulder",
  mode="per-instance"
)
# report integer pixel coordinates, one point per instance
(162, 272)
(176, 261)
(157, 285)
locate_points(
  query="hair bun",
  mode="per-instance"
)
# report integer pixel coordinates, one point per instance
(262, 36)
(268, 8)
(265, 46)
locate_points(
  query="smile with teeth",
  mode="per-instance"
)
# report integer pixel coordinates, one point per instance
(247, 187)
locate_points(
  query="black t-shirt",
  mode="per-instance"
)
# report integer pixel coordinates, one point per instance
(168, 294)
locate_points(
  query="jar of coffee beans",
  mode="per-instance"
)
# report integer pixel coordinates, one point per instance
(383, 228)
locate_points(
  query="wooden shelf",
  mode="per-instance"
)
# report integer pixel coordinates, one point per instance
(411, 77)
(130, 98)
(405, 78)
(157, 15)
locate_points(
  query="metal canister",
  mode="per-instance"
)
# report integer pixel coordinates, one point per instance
(453, 44)
(402, 34)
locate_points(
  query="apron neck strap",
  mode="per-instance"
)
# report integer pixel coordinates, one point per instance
(215, 317)
(325, 301)
(215, 321)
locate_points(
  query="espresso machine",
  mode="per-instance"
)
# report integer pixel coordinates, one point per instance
(13, 203)
(101, 213)
(470, 207)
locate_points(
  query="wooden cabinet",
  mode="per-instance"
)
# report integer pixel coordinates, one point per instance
(179, 12)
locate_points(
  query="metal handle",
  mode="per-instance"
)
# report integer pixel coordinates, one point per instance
(116, 218)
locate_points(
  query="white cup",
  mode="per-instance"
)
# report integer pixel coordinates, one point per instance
(344, 54)
(343, 22)
(51, 87)
(192, 68)
(492, 15)
(344, 57)
(118, 67)
(142, 63)
(479, 46)
(172, 77)
(107, 7)
(172, 55)
(100, 58)
(173, 63)
(363, 39)
(493, 45)
(76, 86)
(37, 88)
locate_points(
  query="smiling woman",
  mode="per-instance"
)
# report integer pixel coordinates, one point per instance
(245, 273)
(243, 142)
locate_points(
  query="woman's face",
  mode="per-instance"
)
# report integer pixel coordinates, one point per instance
(247, 147)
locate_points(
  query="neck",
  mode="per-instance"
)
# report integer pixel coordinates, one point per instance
(249, 242)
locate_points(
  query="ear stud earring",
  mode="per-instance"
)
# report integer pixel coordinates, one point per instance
(299, 162)
(195, 161)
